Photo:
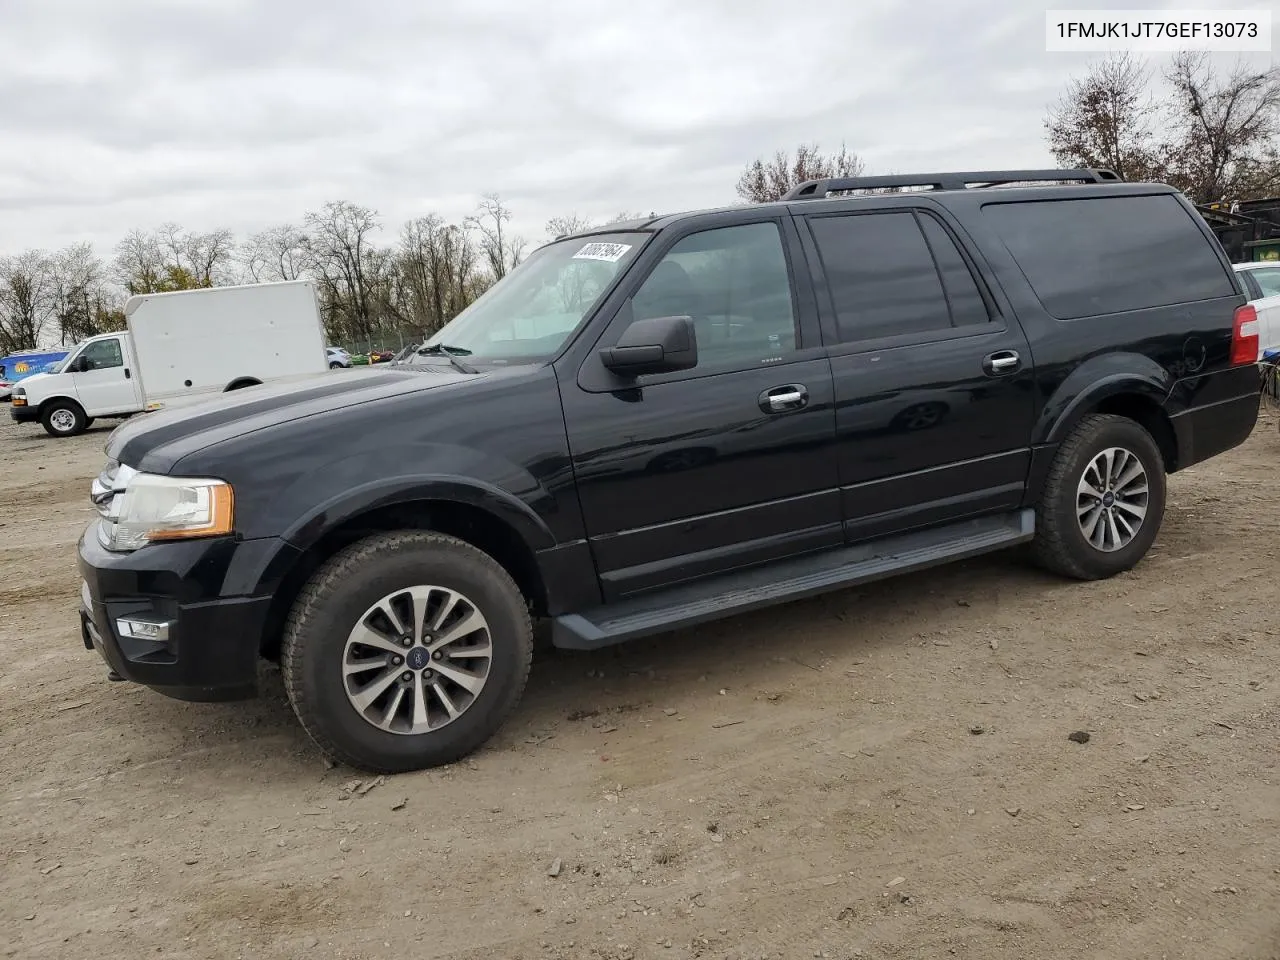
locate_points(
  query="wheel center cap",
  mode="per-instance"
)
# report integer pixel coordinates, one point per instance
(418, 658)
(1108, 499)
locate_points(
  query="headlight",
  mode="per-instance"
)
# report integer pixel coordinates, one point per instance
(154, 508)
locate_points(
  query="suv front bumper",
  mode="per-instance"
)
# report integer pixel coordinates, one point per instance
(207, 644)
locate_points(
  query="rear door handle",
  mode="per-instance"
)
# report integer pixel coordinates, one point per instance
(127, 374)
(1001, 363)
(790, 396)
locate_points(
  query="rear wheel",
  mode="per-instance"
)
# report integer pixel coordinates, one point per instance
(335, 365)
(64, 418)
(406, 650)
(1103, 500)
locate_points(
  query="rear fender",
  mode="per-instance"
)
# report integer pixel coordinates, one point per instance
(1093, 382)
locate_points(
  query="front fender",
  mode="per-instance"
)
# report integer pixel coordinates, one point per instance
(370, 479)
(1095, 380)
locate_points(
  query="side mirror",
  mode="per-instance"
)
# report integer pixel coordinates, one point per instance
(79, 365)
(653, 345)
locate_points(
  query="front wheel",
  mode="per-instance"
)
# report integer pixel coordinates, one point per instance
(64, 418)
(335, 365)
(405, 651)
(1103, 500)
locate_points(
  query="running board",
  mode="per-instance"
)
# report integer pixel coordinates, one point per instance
(806, 576)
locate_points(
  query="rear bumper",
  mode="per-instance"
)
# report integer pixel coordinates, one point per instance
(23, 413)
(1214, 428)
(210, 645)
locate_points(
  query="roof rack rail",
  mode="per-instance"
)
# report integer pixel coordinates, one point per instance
(817, 189)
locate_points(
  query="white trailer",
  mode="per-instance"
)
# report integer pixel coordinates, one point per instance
(180, 347)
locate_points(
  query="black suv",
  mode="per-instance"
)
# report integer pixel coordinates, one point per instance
(671, 420)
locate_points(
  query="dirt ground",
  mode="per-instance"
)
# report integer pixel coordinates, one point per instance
(884, 772)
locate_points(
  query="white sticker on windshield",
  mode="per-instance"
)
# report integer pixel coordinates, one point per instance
(609, 252)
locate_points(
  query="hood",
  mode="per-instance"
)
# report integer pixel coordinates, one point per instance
(166, 436)
(30, 378)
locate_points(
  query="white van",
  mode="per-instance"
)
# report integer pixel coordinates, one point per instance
(180, 347)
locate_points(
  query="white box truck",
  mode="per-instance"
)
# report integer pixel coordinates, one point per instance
(179, 348)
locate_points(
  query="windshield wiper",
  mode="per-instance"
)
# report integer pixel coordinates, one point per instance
(451, 354)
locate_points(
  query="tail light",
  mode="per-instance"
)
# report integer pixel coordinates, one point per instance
(1244, 336)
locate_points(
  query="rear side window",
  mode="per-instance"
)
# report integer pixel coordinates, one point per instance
(1098, 256)
(967, 305)
(892, 274)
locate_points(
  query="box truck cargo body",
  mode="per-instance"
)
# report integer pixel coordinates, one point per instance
(178, 348)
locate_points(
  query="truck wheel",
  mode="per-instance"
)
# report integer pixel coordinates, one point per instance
(1103, 500)
(406, 650)
(64, 418)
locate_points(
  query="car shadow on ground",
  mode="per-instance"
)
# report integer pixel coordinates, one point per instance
(743, 652)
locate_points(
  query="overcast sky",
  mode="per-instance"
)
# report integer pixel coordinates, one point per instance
(117, 114)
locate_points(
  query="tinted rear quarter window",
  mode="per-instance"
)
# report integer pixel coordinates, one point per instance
(1103, 255)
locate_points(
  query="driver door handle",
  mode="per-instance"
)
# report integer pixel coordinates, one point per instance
(790, 396)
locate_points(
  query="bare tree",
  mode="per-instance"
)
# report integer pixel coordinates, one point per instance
(567, 224)
(277, 253)
(206, 257)
(84, 303)
(340, 244)
(623, 216)
(139, 262)
(425, 275)
(27, 300)
(1226, 129)
(434, 272)
(501, 251)
(461, 264)
(766, 180)
(170, 258)
(1105, 119)
(1213, 136)
(210, 256)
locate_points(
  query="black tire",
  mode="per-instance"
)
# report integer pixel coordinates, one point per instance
(333, 601)
(335, 365)
(1060, 544)
(64, 418)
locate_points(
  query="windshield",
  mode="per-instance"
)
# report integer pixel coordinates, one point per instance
(55, 367)
(530, 313)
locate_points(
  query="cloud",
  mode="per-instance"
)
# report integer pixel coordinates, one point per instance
(244, 113)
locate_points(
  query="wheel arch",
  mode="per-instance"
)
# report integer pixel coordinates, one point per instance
(241, 382)
(469, 519)
(60, 398)
(1139, 396)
